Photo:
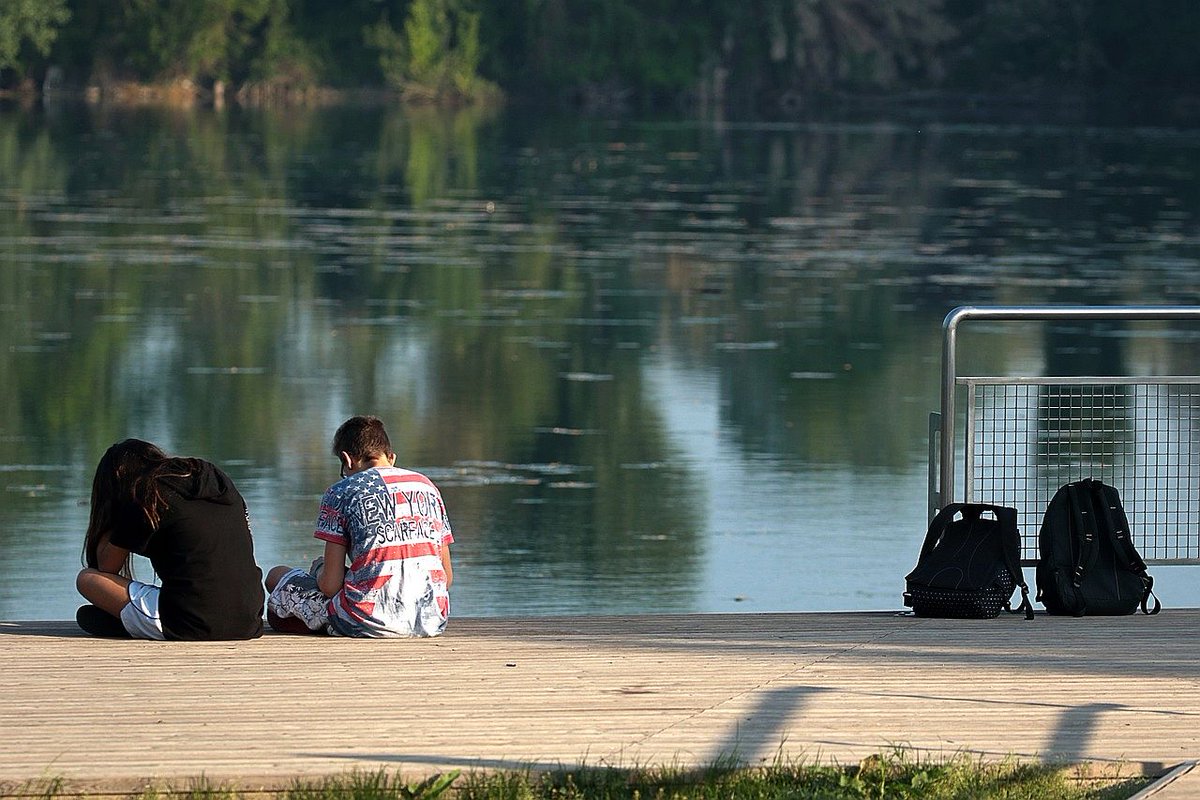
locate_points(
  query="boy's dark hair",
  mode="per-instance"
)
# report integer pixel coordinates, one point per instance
(362, 437)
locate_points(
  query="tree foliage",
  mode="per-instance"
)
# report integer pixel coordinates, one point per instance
(754, 52)
(28, 28)
(436, 56)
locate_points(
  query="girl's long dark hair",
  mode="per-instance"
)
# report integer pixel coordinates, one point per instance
(128, 475)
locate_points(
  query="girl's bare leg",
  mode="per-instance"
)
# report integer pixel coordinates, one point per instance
(104, 589)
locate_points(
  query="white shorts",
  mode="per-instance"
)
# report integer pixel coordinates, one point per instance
(140, 616)
(296, 595)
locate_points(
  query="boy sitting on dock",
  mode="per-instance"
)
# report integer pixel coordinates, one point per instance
(392, 524)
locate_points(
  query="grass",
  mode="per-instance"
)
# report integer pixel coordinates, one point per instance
(891, 776)
(885, 777)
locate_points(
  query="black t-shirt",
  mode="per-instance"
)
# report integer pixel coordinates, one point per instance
(204, 557)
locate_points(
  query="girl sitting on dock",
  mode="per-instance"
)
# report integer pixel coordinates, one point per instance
(187, 517)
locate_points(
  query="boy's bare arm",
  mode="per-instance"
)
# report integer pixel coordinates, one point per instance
(446, 565)
(332, 575)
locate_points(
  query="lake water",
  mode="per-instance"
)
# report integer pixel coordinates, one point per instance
(653, 365)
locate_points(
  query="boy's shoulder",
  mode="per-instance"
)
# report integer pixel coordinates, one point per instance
(378, 479)
(394, 475)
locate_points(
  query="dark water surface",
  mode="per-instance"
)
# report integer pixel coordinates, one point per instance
(654, 366)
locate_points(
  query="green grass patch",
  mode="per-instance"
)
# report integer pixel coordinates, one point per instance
(884, 777)
(895, 776)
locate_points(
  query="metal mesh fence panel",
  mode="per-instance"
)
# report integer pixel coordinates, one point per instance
(1026, 437)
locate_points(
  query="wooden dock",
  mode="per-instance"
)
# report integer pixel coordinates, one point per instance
(549, 692)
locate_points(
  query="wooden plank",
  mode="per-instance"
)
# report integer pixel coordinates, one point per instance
(545, 692)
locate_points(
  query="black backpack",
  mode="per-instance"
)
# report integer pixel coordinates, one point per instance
(969, 564)
(1087, 563)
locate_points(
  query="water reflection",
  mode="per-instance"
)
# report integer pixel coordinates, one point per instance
(654, 366)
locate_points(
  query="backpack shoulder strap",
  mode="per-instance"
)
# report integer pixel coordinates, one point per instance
(1116, 525)
(1083, 525)
(1011, 547)
(1147, 595)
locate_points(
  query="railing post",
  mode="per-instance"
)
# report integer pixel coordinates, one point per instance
(935, 428)
(949, 374)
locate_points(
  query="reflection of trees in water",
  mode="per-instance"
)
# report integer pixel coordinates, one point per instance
(229, 301)
(1077, 216)
(449, 271)
(143, 221)
(820, 351)
(821, 372)
(495, 373)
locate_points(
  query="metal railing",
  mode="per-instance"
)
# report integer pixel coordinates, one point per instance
(1024, 437)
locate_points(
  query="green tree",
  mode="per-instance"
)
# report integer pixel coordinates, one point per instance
(753, 50)
(32, 24)
(756, 54)
(332, 35)
(164, 40)
(218, 39)
(775, 51)
(612, 48)
(436, 57)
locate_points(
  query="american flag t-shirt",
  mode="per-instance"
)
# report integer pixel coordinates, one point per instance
(393, 523)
